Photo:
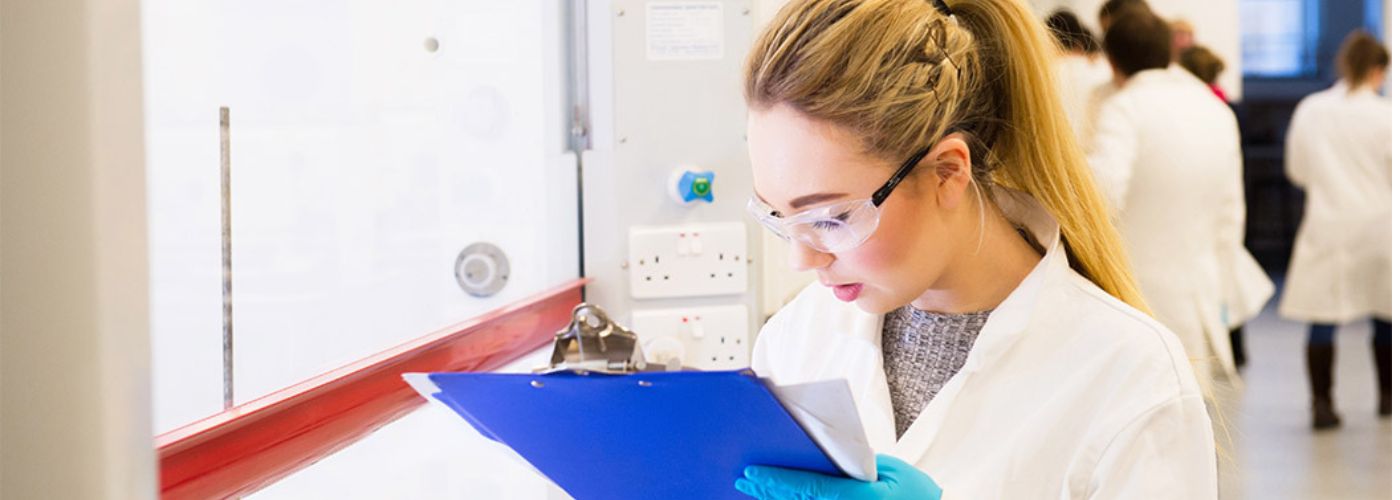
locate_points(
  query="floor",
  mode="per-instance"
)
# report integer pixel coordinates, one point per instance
(1268, 450)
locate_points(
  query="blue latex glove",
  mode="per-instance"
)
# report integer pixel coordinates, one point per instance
(897, 480)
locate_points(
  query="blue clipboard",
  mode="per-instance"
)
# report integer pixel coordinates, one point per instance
(663, 435)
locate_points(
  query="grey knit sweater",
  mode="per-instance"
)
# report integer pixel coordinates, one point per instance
(922, 350)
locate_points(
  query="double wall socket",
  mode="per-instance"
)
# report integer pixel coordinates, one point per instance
(707, 338)
(695, 260)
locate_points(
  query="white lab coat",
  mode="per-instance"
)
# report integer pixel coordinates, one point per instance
(1099, 94)
(1245, 287)
(1167, 158)
(1067, 393)
(1338, 151)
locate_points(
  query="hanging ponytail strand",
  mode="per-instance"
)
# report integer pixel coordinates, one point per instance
(1034, 145)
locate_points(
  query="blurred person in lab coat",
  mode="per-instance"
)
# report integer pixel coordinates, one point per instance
(1183, 37)
(1110, 10)
(1182, 33)
(1081, 69)
(1247, 287)
(1338, 151)
(1206, 66)
(972, 290)
(1096, 96)
(1167, 158)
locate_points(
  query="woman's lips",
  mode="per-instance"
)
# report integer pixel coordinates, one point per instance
(847, 293)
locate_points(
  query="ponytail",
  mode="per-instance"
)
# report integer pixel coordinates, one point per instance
(1035, 147)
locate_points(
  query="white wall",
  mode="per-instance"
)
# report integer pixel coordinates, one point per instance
(362, 163)
(74, 393)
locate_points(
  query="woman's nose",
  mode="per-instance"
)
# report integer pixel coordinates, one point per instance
(805, 258)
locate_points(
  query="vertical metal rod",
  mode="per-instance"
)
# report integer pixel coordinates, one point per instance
(580, 133)
(227, 240)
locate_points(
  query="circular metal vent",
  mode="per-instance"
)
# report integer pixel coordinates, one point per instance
(482, 269)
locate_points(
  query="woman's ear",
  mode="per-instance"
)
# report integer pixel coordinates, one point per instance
(952, 162)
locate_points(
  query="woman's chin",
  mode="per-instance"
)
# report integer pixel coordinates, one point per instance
(874, 303)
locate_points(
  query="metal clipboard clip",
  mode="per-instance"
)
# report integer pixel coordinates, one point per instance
(592, 342)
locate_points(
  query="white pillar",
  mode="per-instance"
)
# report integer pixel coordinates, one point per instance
(74, 361)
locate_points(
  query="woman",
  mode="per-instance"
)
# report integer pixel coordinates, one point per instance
(1245, 286)
(972, 290)
(1204, 65)
(1338, 151)
(1168, 160)
(1183, 37)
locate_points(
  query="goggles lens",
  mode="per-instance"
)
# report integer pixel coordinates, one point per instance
(831, 228)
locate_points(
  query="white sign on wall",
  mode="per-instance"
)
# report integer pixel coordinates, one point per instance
(685, 31)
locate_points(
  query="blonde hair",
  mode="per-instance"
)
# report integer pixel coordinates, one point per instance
(900, 75)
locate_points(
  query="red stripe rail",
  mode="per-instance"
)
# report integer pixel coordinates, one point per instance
(249, 446)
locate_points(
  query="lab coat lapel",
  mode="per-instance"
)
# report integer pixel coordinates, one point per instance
(876, 408)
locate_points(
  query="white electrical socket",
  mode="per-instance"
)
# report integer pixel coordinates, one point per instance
(707, 338)
(693, 260)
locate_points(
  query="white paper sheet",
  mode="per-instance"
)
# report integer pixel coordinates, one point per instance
(827, 411)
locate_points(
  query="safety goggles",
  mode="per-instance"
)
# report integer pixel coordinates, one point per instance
(833, 227)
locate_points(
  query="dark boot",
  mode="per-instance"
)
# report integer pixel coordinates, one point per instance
(1320, 358)
(1381, 353)
(1237, 346)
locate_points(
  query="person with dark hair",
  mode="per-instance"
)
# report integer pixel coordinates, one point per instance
(1204, 65)
(1167, 157)
(1247, 287)
(1338, 151)
(1096, 95)
(1183, 36)
(1081, 70)
(1070, 34)
(1362, 61)
(1137, 40)
(1112, 8)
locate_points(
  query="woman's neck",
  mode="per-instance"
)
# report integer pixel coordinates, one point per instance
(983, 278)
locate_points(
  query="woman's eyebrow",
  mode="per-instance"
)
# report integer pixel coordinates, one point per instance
(804, 200)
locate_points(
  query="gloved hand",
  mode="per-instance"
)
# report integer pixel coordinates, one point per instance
(897, 480)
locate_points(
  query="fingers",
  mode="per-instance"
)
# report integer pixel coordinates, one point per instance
(886, 465)
(752, 489)
(789, 483)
